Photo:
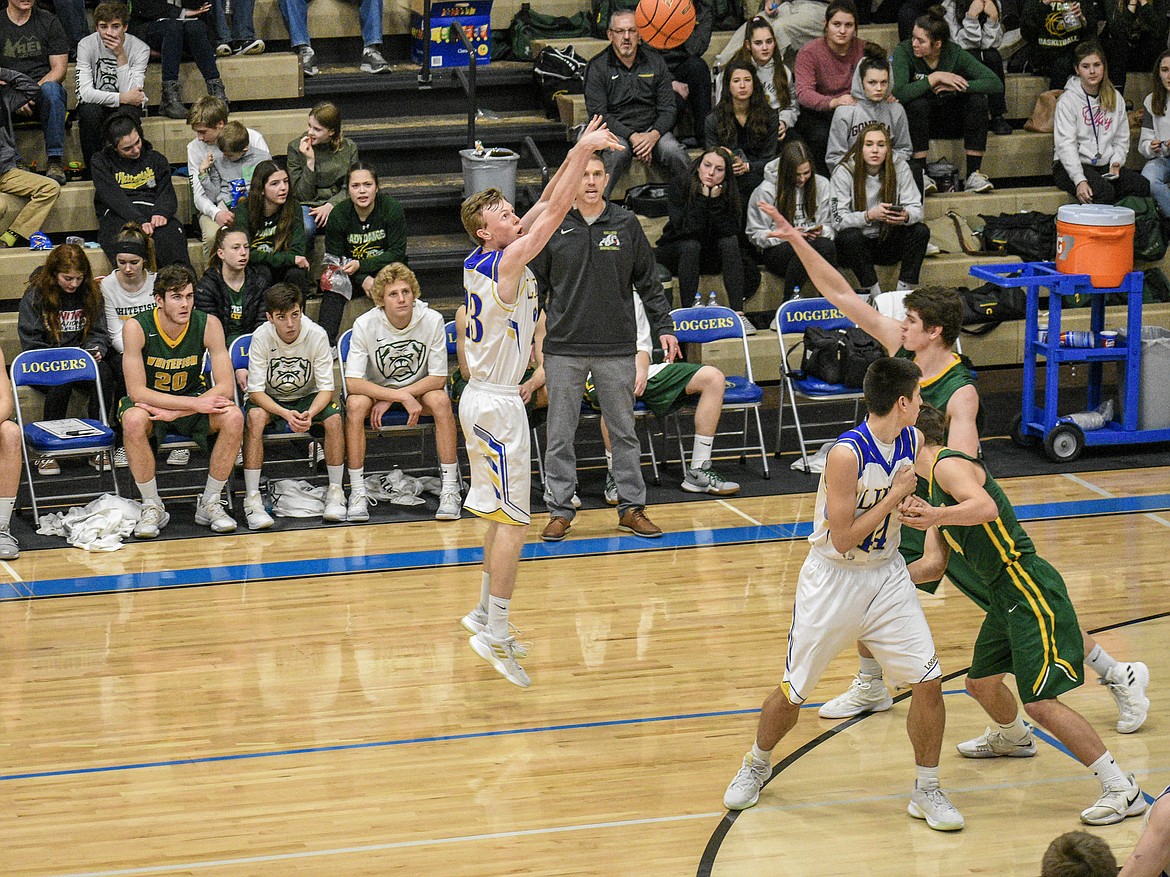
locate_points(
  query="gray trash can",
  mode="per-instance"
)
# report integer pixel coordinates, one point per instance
(1154, 386)
(489, 168)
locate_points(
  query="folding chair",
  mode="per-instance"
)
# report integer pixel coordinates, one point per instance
(52, 367)
(792, 318)
(277, 430)
(394, 421)
(741, 392)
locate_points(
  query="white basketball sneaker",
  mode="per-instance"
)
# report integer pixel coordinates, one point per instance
(744, 790)
(501, 654)
(934, 806)
(993, 744)
(1127, 683)
(1114, 805)
(866, 694)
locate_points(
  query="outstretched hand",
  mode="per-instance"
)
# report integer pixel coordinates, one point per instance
(597, 136)
(783, 228)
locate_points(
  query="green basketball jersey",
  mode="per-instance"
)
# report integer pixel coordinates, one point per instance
(173, 365)
(937, 391)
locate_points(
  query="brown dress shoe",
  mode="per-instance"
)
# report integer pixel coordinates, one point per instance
(556, 529)
(635, 521)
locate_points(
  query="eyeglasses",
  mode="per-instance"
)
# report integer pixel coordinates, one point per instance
(626, 32)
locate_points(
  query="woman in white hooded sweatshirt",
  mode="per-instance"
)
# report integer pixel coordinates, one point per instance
(1091, 133)
(877, 211)
(1154, 143)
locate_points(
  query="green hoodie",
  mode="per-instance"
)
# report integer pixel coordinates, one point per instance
(326, 182)
(910, 82)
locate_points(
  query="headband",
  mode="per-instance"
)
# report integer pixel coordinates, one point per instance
(133, 248)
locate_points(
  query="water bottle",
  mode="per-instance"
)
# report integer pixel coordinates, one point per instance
(1071, 20)
(698, 302)
(238, 190)
(1077, 339)
(712, 300)
(1095, 419)
(795, 291)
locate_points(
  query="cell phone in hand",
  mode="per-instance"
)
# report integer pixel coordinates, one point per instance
(897, 208)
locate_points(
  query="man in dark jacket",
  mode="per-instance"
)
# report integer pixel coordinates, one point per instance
(42, 192)
(632, 89)
(585, 273)
(33, 42)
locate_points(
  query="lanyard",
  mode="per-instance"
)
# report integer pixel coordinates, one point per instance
(1093, 122)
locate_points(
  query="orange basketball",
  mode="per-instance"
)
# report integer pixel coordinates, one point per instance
(664, 24)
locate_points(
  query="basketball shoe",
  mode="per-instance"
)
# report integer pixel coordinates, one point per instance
(934, 806)
(993, 744)
(1114, 805)
(1127, 683)
(501, 654)
(477, 619)
(866, 694)
(744, 790)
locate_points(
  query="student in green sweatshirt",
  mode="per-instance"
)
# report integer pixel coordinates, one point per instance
(944, 89)
(272, 219)
(366, 232)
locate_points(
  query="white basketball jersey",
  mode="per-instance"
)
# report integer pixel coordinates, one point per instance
(499, 335)
(877, 464)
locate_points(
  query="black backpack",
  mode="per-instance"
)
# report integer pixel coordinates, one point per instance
(989, 305)
(839, 356)
(558, 71)
(1031, 235)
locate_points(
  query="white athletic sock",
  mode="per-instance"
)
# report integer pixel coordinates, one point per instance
(251, 481)
(485, 591)
(212, 491)
(1100, 660)
(7, 503)
(926, 777)
(498, 617)
(609, 459)
(869, 667)
(763, 756)
(1015, 732)
(148, 490)
(701, 453)
(450, 473)
(336, 474)
(357, 480)
(1108, 774)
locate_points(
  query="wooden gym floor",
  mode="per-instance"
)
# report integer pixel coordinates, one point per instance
(271, 704)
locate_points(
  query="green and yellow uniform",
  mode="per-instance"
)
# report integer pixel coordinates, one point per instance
(1031, 629)
(174, 366)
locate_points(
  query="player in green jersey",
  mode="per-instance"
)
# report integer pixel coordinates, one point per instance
(166, 392)
(1031, 629)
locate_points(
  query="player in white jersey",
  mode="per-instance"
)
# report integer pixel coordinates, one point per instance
(501, 318)
(854, 586)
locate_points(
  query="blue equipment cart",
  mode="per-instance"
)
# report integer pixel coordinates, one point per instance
(1063, 439)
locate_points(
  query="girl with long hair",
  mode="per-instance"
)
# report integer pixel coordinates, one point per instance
(1135, 32)
(1154, 142)
(702, 233)
(271, 218)
(318, 162)
(871, 92)
(877, 211)
(129, 288)
(62, 307)
(1091, 134)
(232, 288)
(744, 125)
(802, 197)
(759, 49)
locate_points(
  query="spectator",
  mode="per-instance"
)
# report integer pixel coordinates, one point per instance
(367, 233)
(271, 219)
(41, 193)
(944, 90)
(793, 22)
(129, 288)
(62, 307)
(1091, 135)
(759, 49)
(1135, 32)
(877, 211)
(318, 164)
(111, 74)
(132, 183)
(232, 290)
(173, 31)
(692, 76)
(802, 197)
(1154, 142)
(631, 89)
(976, 27)
(295, 14)
(71, 14)
(703, 232)
(240, 38)
(1052, 29)
(1079, 854)
(824, 76)
(33, 42)
(10, 455)
(1151, 856)
(745, 126)
(208, 118)
(871, 95)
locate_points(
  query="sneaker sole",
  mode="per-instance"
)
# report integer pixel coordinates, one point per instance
(356, 519)
(1137, 808)
(915, 811)
(497, 665)
(264, 525)
(691, 488)
(1015, 753)
(166, 520)
(374, 72)
(334, 518)
(735, 805)
(879, 707)
(441, 516)
(471, 626)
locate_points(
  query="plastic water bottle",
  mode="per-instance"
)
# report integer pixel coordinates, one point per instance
(795, 291)
(712, 299)
(1095, 419)
(1078, 339)
(698, 302)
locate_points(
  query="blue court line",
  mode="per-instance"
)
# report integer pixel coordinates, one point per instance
(432, 558)
(382, 744)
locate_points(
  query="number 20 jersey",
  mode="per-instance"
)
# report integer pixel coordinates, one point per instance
(877, 464)
(499, 335)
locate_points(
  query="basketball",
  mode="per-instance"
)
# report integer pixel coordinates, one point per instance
(664, 24)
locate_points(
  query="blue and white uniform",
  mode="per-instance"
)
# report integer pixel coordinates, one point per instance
(497, 349)
(866, 593)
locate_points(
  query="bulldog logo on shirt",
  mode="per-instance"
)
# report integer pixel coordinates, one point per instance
(287, 375)
(611, 241)
(401, 360)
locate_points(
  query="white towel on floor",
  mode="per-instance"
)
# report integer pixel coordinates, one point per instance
(99, 526)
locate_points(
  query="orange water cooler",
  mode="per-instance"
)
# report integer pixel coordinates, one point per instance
(1095, 239)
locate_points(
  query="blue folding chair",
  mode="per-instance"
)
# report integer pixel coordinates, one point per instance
(792, 318)
(277, 430)
(53, 367)
(741, 392)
